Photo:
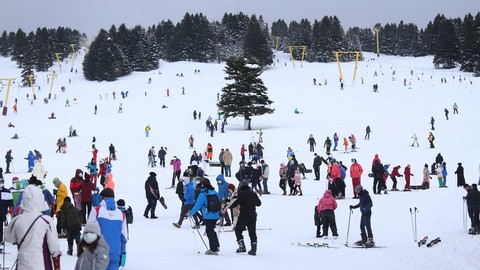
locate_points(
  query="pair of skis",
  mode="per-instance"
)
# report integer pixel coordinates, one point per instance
(313, 245)
(431, 243)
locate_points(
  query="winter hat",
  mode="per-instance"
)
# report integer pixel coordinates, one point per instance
(35, 181)
(107, 193)
(205, 182)
(92, 227)
(153, 174)
(87, 177)
(67, 199)
(358, 188)
(121, 202)
(231, 187)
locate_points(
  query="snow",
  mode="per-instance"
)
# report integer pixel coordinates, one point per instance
(394, 114)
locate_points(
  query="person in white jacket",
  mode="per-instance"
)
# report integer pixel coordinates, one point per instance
(34, 233)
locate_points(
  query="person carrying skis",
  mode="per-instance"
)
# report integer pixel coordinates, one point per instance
(248, 201)
(365, 204)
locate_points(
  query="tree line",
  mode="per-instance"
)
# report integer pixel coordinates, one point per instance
(116, 52)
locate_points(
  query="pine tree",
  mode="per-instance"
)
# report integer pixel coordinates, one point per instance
(469, 53)
(446, 52)
(256, 48)
(20, 45)
(246, 95)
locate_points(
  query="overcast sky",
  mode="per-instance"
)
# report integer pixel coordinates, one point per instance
(88, 16)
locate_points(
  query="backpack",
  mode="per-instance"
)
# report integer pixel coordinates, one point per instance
(129, 215)
(213, 203)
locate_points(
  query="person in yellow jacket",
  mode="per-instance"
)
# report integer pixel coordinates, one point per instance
(147, 130)
(60, 194)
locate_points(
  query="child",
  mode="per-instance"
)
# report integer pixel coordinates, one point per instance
(426, 177)
(318, 221)
(128, 214)
(71, 222)
(303, 169)
(93, 250)
(283, 178)
(96, 197)
(326, 209)
(345, 143)
(298, 183)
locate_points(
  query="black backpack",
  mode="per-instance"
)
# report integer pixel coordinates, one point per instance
(129, 215)
(213, 203)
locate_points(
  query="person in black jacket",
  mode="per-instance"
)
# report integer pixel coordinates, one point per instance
(365, 205)
(460, 175)
(161, 155)
(377, 171)
(248, 200)
(317, 162)
(71, 222)
(8, 160)
(473, 203)
(151, 192)
(6, 203)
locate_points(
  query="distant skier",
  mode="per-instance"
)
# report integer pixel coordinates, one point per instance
(328, 143)
(335, 141)
(415, 140)
(312, 143)
(431, 138)
(446, 113)
(455, 108)
(367, 133)
(432, 122)
(460, 175)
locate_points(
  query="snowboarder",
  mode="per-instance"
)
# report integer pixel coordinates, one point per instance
(365, 205)
(312, 143)
(248, 201)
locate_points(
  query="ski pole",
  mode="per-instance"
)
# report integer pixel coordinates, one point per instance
(196, 242)
(201, 237)
(348, 228)
(413, 228)
(416, 211)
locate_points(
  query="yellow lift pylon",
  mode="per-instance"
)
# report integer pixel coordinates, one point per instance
(337, 56)
(57, 55)
(51, 84)
(30, 79)
(74, 55)
(304, 48)
(5, 108)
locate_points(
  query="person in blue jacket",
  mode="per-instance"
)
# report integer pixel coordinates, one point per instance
(223, 195)
(188, 201)
(209, 218)
(365, 205)
(31, 161)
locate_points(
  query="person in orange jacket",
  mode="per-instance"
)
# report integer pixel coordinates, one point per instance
(345, 143)
(209, 151)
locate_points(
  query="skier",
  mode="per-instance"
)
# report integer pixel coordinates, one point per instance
(120, 108)
(326, 209)
(365, 205)
(248, 201)
(335, 142)
(460, 175)
(345, 144)
(407, 175)
(367, 133)
(147, 131)
(415, 140)
(209, 218)
(426, 177)
(455, 108)
(312, 143)
(432, 122)
(377, 171)
(317, 162)
(151, 157)
(446, 113)
(356, 171)
(188, 201)
(31, 161)
(328, 143)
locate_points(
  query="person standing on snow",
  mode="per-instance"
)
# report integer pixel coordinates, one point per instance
(460, 175)
(367, 133)
(312, 143)
(394, 175)
(432, 122)
(31, 161)
(8, 160)
(188, 202)
(151, 191)
(431, 138)
(407, 175)
(455, 108)
(415, 140)
(377, 171)
(242, 152)
(177, 170)
(326, 209)
(113, 227)
(365, 204)
(41, 237)
(446, 112)
(227, 159)
(161, 156)
(248, 201)
(356, 171)
(328, 143)
(335, 142)
(209, 218)
(151, 157)
(190, 141)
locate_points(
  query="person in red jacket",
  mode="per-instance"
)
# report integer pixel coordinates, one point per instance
(395, 173)
(86, 188)
(242, 152)
(326, 207)
(75, 184)
(356, 171)
(407, 175)
(335, 175)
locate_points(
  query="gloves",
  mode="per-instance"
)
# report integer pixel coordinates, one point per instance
(55, 191)
(123, 259)
(351, 206)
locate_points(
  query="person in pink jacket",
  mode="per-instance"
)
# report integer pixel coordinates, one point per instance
(326, 207)
(177, 170)
(356, 174)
